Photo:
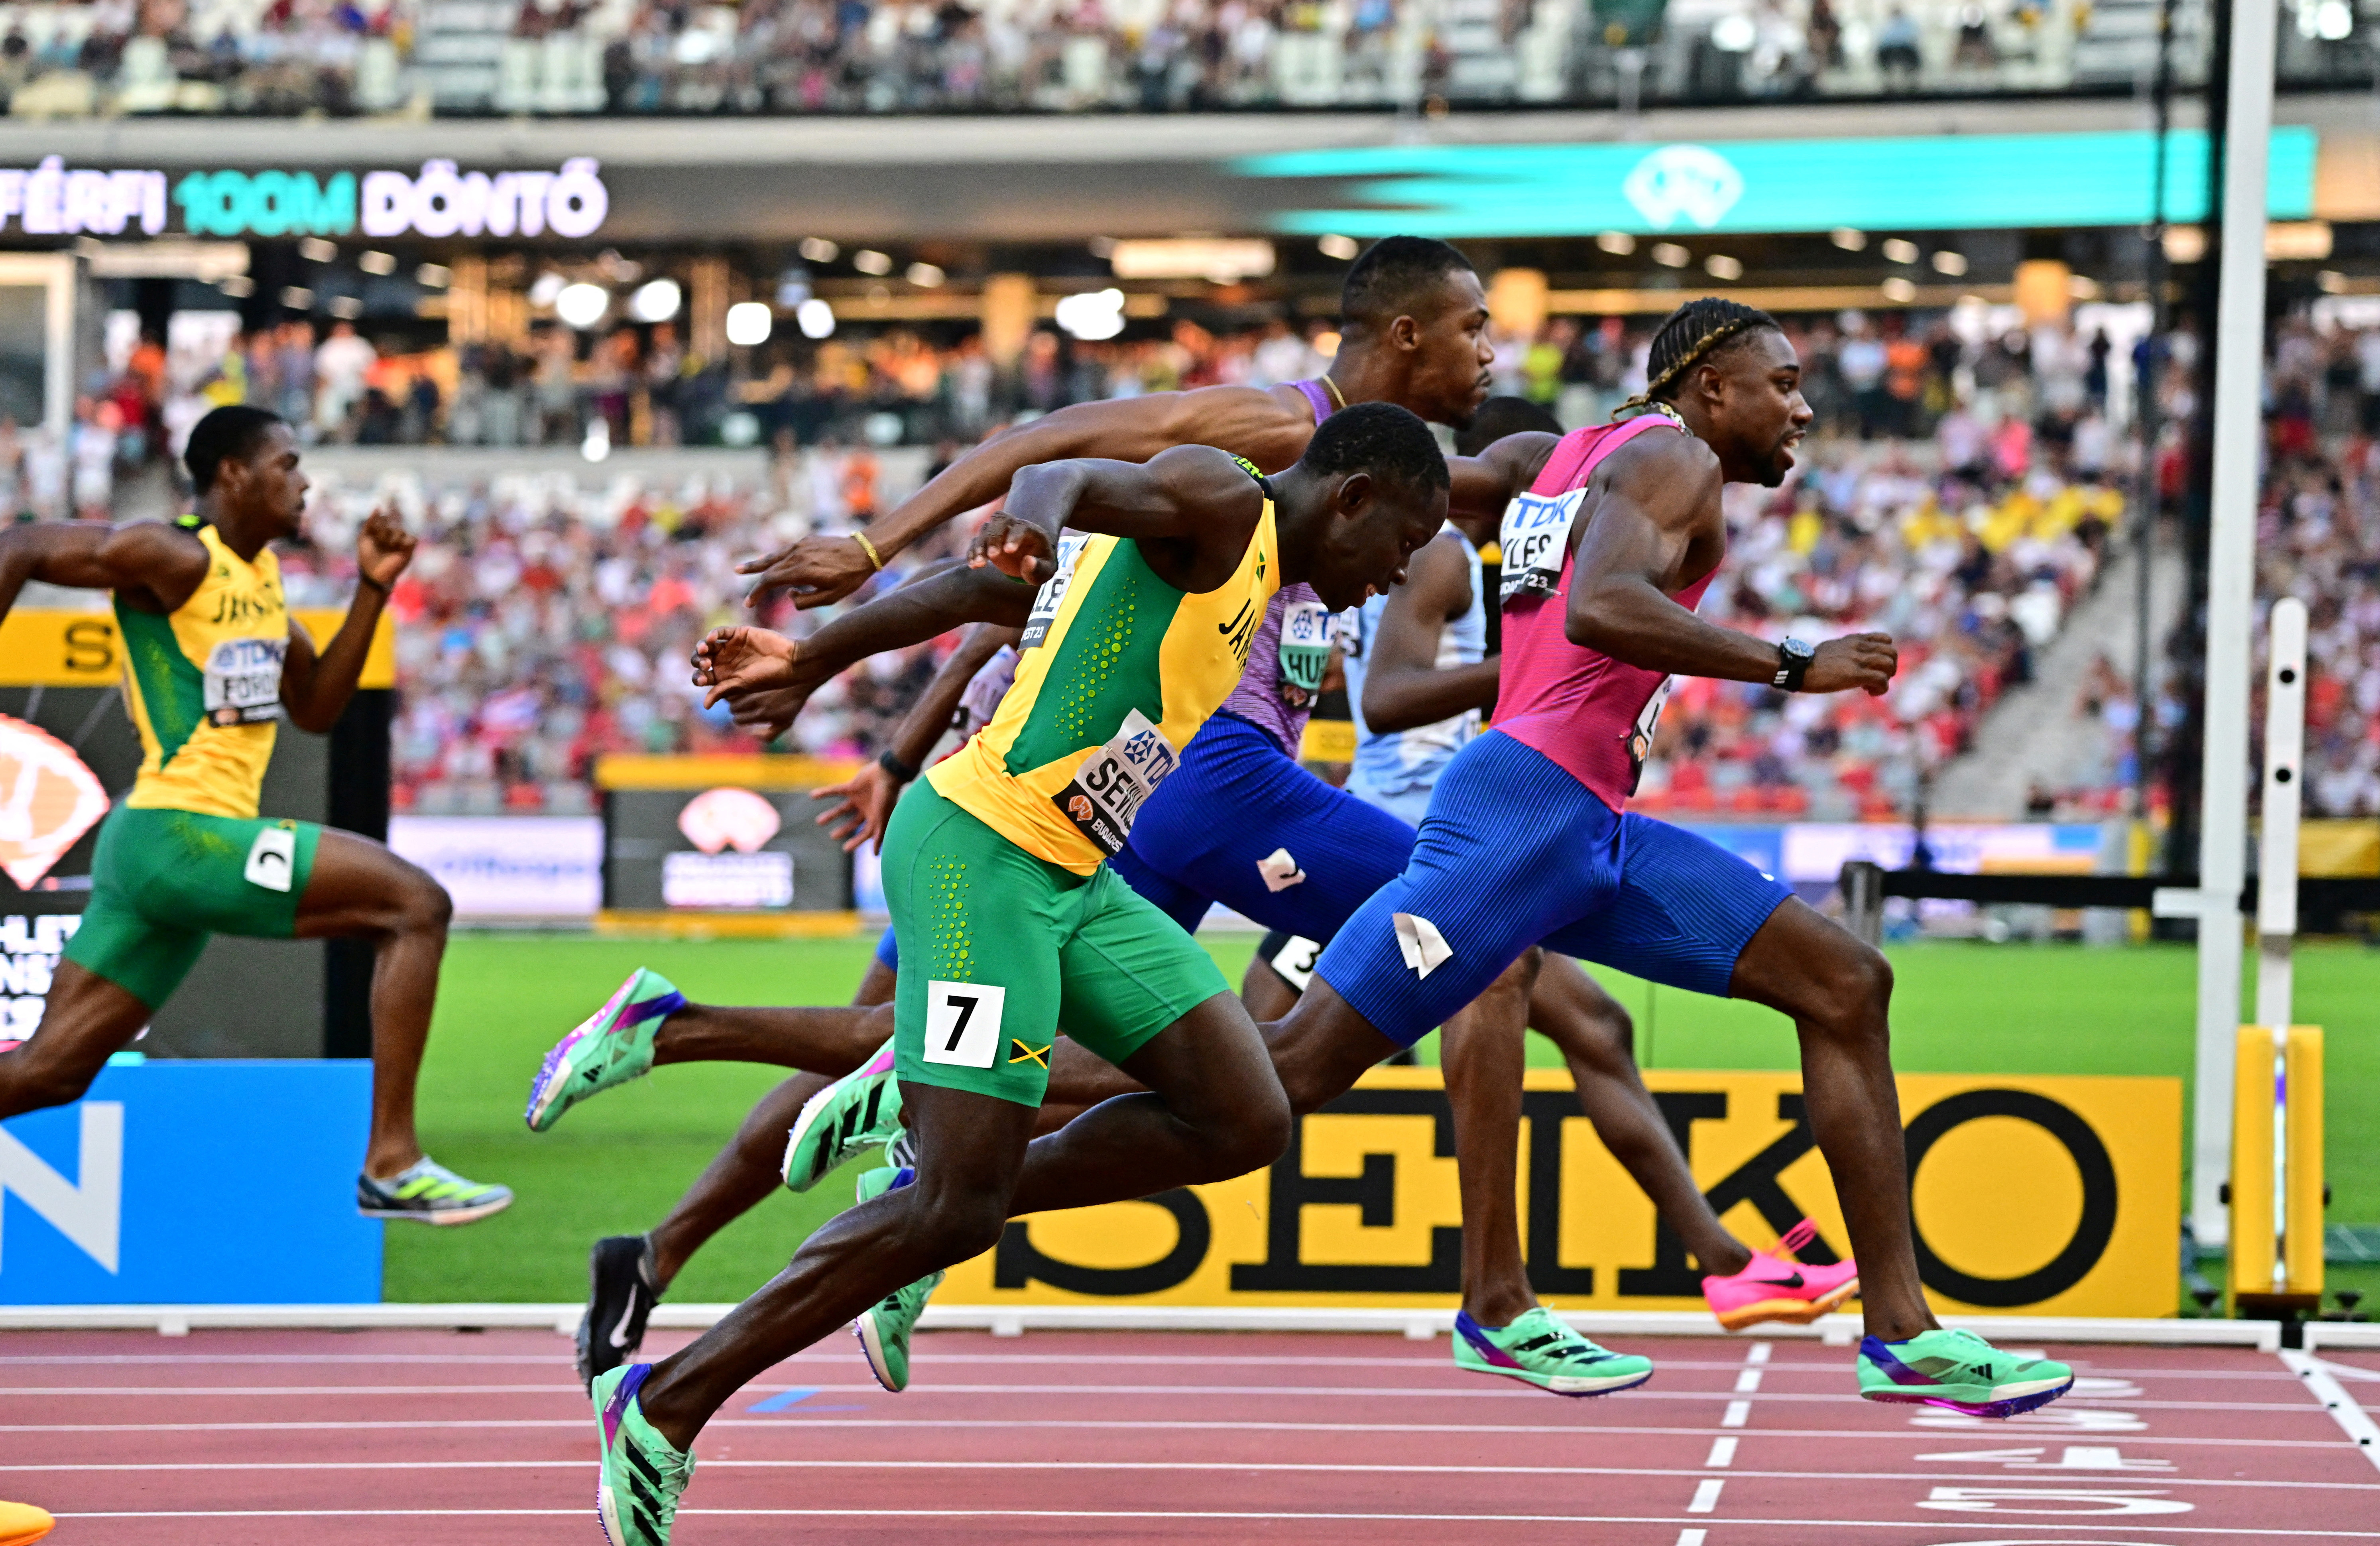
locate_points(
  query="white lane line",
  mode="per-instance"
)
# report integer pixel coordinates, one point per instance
(1693, 1538)
(1706, 1493)
(2167, 1482)
(1722, 1454)
(1758, 1352)
(2323, 1386)
(1738, 1413)
(1748, 1382)
(1119, 1425)
(2293, 1534)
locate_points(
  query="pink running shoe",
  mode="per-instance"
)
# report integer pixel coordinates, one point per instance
(1771, 1288)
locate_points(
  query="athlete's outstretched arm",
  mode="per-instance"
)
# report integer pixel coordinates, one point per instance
(1657, 510)
(1404, 687)
(864, 801)
(1263, 427)
(734, 662)
(315, 689)
(1192, 510)
(160, 563)
(1483, 484)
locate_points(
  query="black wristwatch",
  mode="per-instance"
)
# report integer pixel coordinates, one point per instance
(1793, 659)
(890, 760)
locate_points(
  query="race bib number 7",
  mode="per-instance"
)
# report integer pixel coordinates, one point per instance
(1535, 539)
(963, 1023)
(242, 681)
(1115, 781)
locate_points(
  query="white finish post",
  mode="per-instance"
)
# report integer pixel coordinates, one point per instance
(2223, 812)
(2277, 867)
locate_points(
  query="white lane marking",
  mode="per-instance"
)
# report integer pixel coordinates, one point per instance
(1758, 1353)
(1748, 1382)
(2098, 1501)
(1120, 1425)
(1706, 1493)
(1737, 1414)
(1291, 1467)
(1693, 1538)
(2346, 1370)
(1803, 1525)
(2352, 1419)
(2076, 1457)
(1722, 1454)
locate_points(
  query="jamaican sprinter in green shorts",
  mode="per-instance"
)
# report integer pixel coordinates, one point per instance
(212, 662)
(1137, 624)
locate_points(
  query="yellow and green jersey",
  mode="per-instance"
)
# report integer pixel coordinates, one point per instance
(1117, 670)
(203, 684)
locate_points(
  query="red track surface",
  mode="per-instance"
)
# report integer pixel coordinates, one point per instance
(330, 1438)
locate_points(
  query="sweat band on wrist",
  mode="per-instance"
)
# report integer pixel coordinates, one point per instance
(366, 579)
(890, 763)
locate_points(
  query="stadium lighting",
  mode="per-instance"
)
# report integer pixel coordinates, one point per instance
(655, 301)
(1668, 254)
(817, 250)
(1342, 249)
(377, 263)
(926, 276)
(1734, 33)
(749, 322)
(1718, 265)
(436, 277)
(314, 249)
(1952, 263)
(1897, 250)
(1848, 239)
(542, 293)
(815, 318)
(872, 263)
(582, 305)
(1618, 243)
(1092, 315)
(1899, 289)
(298, 297)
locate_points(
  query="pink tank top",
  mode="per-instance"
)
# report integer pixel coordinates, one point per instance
(1580, 707)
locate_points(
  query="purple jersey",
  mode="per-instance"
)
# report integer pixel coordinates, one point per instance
(1285, 674)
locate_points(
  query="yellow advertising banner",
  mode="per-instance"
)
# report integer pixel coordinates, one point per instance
(47, 649)
(2031, 1195)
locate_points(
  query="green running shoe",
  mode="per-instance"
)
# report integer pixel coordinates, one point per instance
(856, 1113)
(1541, 1349)
(884, 1328)
(427, 1192)
(643, 1474)
(612, 1046)
(1960, 1370)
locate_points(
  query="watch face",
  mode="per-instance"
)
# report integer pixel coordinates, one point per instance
(1796, 650)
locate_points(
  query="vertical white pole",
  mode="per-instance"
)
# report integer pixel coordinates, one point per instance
(2223, 817)
(2277, 867)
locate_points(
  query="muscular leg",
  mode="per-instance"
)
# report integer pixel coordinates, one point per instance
(1481, 1048)
(359, 888)
(1266, 994)
(1838, 992)
(1597, 1040)
(745, 1171)
(829, 1039)
(1216, 1113)
(86, 1018)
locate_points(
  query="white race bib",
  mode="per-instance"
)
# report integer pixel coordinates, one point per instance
(242, 681)
(1112, 782)
(963, 1023)
(1296, 960)
(1535, 539)
(272, 858)
(1053, 594)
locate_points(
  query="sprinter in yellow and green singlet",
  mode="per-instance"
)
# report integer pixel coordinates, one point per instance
(212, 663)
(1137, 625)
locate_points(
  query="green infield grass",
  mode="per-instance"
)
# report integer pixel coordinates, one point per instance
(615, 1164)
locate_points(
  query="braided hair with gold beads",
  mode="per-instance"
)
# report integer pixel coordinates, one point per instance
(1692, 333)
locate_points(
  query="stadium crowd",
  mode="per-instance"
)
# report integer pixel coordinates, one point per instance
(291, 57)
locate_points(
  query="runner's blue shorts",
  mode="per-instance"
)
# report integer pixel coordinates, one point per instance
(1241, 823)
(1515, 851)
(889, 951)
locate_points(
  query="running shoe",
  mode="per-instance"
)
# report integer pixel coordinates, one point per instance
(612, 1046)
(22, 1524)
(643, 1474)
(1541, 1349)
(620, 1297)
(1771, 1288)
(1960, 1370)
(884, 1328)
(427, 1192)
(854, 1113)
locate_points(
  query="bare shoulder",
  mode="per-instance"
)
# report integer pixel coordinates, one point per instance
(1267, 425)
(1206, 474)
(1667, 465)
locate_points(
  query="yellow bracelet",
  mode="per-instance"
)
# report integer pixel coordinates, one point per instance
(868, 548)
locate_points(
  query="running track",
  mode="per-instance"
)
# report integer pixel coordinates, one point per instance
(329, 1438)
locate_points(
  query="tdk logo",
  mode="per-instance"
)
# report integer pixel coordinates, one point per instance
(1691, 182)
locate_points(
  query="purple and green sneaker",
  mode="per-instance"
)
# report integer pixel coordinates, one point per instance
(643, 1474)
(1541, 1349)
(612, 1046)
(1960, 1370)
